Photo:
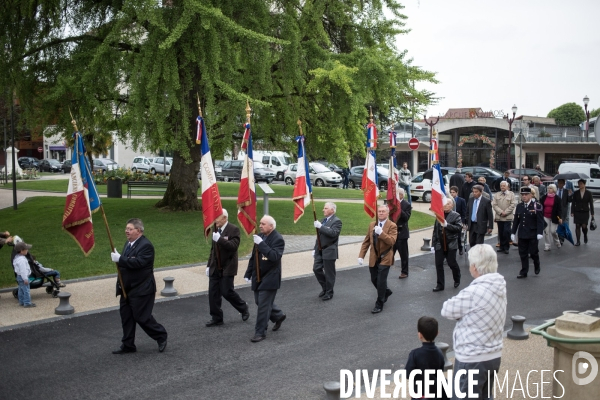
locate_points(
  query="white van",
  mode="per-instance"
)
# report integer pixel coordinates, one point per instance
(589, 168)
(276, 160)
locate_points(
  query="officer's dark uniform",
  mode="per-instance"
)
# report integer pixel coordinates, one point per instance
(529, 221)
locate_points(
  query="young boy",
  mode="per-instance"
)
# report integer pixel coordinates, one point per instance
(23, 271)
(426, 357)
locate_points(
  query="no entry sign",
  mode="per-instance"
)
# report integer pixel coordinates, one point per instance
(413, 143)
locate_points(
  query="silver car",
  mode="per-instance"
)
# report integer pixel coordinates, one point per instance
(160, 164)
(141, 164)
(320, 175)
(104, 164)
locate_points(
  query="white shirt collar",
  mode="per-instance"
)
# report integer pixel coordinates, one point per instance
(224, 225)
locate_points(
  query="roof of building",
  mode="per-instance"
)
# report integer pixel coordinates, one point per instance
(537, 120)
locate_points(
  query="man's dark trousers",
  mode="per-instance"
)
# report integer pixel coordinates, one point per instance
(267, 310)
(475, 238)
(379, 276)
(139, 310)
(504, 228)
(325, 272)
(223, 286)
(528, 247)
(402, 247)
(449, 255)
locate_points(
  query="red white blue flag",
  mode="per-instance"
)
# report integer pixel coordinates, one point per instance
(82, 199)
(370, 185)
(211, 200)
(302, 186)
(247, 195)
(371, 136)
(438, 191)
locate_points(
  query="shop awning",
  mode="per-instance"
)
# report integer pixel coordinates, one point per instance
(62, 148)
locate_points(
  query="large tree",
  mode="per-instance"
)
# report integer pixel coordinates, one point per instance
(136, 67)
(569, 114)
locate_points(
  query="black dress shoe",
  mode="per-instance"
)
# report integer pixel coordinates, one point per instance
(456, 284)
(460, 253)
(257, 338)
(278, 323)
(122, 350)
(376, 310)
(577, 244)
(500, 251)
(585, 238)
(521, 276)
(246, 314)
(212, 322)
(327, 297)
(506, 251)
(438, 289)
(322, 294)
(162, 346)
(537, 270)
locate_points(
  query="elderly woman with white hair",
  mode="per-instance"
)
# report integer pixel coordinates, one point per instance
(480, 311)
(552, 212)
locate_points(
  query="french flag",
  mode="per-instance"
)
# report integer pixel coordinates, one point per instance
(211, 200)
(302, 186)
(438, 191)
(393, 197)
(370, 185)
(82, 200)
(247, 195)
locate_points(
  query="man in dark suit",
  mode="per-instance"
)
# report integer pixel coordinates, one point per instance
(467, 187)
(268, 249)
(222, 269)
(403, 233)
(529, 221)
(136, 268)
(480, 217)
(380, 238)
(324, 265)
(458, 180)
(460, 206)
(563, 192)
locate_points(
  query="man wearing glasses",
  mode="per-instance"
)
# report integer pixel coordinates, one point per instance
(529, 222)
(526, 182)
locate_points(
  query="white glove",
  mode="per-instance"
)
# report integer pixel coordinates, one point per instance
(432, 249)
(512, 238)
(378, 230)
(313, 253)
(257, 239)
(216, 236)
(207, 271)
(318, 225)
(540, 237)
(445, 224)
(115, 256)
(248, 280)
(360, 261)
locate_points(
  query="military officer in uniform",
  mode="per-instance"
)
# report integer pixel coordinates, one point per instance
(529, 222)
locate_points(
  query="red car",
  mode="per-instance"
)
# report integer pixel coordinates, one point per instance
(544, 177)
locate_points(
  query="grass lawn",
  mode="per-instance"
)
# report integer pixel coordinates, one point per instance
(226, 189)
(177, 236)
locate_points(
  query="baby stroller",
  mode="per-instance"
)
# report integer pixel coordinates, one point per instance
(38, 277)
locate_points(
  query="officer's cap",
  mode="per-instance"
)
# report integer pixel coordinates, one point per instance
(525, 190)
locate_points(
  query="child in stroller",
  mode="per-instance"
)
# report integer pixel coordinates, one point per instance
(40, 275)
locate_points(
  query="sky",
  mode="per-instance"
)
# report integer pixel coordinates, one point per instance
(534, 54)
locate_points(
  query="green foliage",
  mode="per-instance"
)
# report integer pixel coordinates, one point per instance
(595, 112)
(569, 114)
(126, 175)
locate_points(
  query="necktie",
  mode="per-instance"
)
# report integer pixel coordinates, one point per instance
(324, 220)
(560, 193)
(127, 249)
(219, 230)
(474, 213)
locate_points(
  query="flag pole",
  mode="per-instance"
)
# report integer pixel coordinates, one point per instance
(256, 261)
(312, 200)
(112, 246)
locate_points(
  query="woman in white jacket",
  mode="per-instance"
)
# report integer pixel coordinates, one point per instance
(480, 310)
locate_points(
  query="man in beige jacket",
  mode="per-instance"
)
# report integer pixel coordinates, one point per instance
(504, 204)
(380, 238)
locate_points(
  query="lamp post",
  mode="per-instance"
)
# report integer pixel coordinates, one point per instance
(510, 121)
(431, 125)
(586, 100)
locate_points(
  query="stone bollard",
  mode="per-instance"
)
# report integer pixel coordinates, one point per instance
(64, 308)
(444, 348)
(332, 389)
(517, 332)
(426, 245)
(169, 290)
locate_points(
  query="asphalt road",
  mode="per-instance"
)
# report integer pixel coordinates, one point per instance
(71, 358)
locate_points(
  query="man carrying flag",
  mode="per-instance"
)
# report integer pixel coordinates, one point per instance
(82, 199)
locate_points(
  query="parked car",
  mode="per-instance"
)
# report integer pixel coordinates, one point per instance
(517, 173)
(66, 166)
(141, 164)
(356, 174)
(492, 176)
(591, 169)
(278, 161)
(320, 175)
(28, 162)
(420, 187)
(332, 167)
(50, 165)
(161, 164)
(386, 166)
(104, 164)
(232, 171)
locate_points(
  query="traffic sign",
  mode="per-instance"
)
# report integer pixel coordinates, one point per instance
(40, 149)
(413, 143)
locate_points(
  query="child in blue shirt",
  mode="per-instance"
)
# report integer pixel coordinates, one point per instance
(22, 269)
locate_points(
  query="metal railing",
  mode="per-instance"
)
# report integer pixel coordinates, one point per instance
(541, 330)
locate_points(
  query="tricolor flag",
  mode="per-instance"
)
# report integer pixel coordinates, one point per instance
(247, 195)
(211, 200)
(82, 199)
(438, 191)
(393, 197)
(371, 136)
(370, 185)
(302, 186)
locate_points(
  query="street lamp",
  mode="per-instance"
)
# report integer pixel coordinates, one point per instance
(510, 121)
(431, 124)
(586, 100)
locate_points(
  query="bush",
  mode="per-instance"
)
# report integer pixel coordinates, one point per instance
(126, 175)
